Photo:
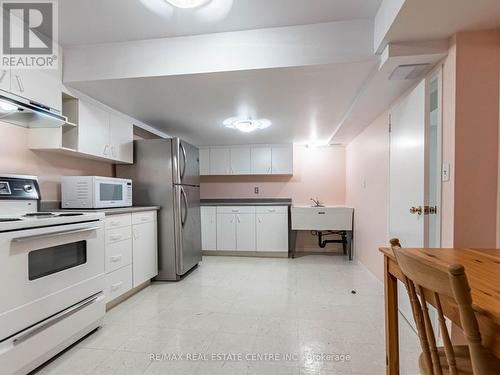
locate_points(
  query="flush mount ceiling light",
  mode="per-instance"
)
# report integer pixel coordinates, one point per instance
(187, 4)
(246, 125)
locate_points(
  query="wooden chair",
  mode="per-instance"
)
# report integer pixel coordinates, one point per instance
(432, 284)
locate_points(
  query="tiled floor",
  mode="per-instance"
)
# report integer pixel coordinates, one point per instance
(246, 305)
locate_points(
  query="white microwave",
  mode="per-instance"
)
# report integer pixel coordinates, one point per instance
(95, 192)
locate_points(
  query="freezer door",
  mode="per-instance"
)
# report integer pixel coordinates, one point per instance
(186, 163)
(187, 227)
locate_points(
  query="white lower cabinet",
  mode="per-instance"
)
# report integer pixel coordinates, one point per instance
(144, 259)
(245, 232)
(226, 231)
(253, 229)
(131, 251)
(272, 229)
(208, 228)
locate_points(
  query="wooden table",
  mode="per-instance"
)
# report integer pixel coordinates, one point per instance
(483, 271)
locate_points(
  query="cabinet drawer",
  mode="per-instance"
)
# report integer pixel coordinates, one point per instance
(143, 217)
(271, 209)
(118, 221)
(118, 234)
(236, 210)
(118, 255)
(118, 282)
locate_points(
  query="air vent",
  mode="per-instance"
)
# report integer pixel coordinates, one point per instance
(410, 71)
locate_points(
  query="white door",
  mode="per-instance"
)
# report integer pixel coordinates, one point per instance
(240, 160)
(282, 159)
(261, 160)
(245, 232)
(412, 146)
(121, 138)
(204, 161)
(93, 130)
(208, 228)
(226, 232)
(272, 232)
(220, 161)
(144, 253)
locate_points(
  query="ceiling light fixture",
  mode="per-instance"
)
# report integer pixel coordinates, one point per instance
(187, 4)
(246, 125)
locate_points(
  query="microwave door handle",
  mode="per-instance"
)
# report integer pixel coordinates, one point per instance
(184, 156)
(54, 234)
(184, 198)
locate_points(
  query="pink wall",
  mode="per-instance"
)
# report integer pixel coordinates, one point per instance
(476, 139)
(367, 159)
(16, 158)
(318, 172)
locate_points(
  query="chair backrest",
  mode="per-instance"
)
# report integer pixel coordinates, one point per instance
(430, 281)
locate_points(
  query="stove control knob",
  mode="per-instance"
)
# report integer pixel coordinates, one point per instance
(28, 188)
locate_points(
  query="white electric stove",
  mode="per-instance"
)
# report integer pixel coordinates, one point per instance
(51, 276)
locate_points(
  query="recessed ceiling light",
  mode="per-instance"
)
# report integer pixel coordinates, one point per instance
(187, 4)
(246, 125)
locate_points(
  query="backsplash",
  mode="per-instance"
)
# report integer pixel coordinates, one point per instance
(17, 158)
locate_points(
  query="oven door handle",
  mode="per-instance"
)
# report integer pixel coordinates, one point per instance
(53, 234)
(55, 318)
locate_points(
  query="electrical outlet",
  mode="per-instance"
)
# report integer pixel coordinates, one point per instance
(256, 190)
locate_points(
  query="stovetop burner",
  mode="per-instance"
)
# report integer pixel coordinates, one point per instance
(39, 214)
(8, 219)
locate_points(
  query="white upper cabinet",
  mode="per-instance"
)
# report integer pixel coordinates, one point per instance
(241, 160)
(248, 160)
(121, 135)
(93, 130)
(261, 160)
(5, 79)
(282, 159)
(42, 86)
(204, 161)
(220, 161)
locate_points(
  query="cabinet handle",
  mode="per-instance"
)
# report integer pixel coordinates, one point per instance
(269, 170)
(113, 151)
(259, 219)
(271, 210)
(144, 218)
(116, 258)
(106, 150)
(136, 234)
(116, 286)
(115, 223)
(238, 218)
(4, 72)
(235, 210)
(115, 238)
(20, 83)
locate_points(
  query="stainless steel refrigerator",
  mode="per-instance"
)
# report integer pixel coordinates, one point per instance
(166, 173)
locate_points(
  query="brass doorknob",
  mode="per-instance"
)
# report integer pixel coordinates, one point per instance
(416, 210)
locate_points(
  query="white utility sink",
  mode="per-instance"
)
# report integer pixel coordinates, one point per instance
(322, 218)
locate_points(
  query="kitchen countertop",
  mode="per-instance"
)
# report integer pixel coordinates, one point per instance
(106, 211)
(247, 202)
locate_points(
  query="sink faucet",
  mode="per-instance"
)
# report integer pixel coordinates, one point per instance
(317, 202)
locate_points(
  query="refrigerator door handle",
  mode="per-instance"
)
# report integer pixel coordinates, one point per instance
(184, 156)
(184, 198)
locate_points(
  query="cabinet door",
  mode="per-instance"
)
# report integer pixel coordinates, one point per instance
(93, 130)
(261, 160)
(240, 160)
(226, 232)
(245, 232)
(282, 159)
(204, 161)
(5, 79)
(144, 253)
(220, 161)
(272, 232)
(209, 228)
(121, 138)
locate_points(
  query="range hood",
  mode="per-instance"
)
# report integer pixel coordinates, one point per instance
(22, 112)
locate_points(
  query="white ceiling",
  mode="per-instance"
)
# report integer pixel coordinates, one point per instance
(104, 21)
(303, 103)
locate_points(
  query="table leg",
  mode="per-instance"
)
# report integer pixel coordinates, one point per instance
(391, 321)
(349, 242)
(293, 244)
